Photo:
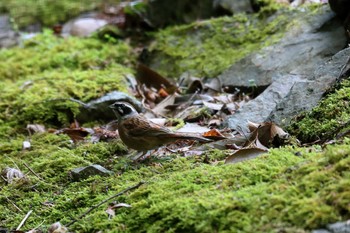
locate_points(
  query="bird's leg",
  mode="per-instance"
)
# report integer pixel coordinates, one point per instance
(141, 155)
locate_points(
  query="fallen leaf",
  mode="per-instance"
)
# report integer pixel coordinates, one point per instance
(101, 134)
(214, 134)
(110, 211)
(196, 86)
(76, 134)
(214, 85)
(12, 175)
(267, 132)
(36, 128)
(244, 154)
(214, 122)
(111, 208)
(193, 128)
(162, 93)
(160, 108)
(213, 106)
(57, 227)
(119, 205)
(151, 78)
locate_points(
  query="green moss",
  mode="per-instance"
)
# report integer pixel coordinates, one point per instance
(329, 118)
(208, 47)
(46, 12)
(38, 80)
(278, 191)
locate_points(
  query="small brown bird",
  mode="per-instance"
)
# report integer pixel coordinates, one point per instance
(141, 134)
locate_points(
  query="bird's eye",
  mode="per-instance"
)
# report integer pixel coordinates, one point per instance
(120, 110)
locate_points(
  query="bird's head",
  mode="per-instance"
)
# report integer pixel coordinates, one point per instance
(123, 110)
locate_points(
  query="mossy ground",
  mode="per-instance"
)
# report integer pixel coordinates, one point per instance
(287, 190)
(328, 119)
(293, 190)
(39, 78)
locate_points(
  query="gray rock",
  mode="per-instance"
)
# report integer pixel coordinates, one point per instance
(312, 39)
(299, 69)
(83, 25)
(305, 94)
(339, 227)
(92, 170)
(98, 110)
(320, 231)
(8, 37)
(259, 109)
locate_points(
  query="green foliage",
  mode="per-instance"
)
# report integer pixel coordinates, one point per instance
(330, 117)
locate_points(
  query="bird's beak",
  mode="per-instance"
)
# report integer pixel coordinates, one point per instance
(111, 106)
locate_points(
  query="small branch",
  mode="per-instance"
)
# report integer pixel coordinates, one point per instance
(24, 220)
(31, 170)
(13, 204)
(104, 201)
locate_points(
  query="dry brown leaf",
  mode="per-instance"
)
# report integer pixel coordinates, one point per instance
(266, 132)
(244, 154)
(252, 126)
(151, 78)
(76, 134)
(101, 134)
(278, 131)
(163, 93)
(196, 86)
(214, 122)
(214, 85)
(160, 109)
(214, 134)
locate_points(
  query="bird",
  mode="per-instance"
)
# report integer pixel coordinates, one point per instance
(139, 133)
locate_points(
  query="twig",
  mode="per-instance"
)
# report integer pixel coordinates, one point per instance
(24, 220)
(13, 204)
(31, 170)
(104, 201)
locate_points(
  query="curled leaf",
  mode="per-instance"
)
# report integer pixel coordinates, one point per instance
(36, 128)
(244, 154)
(12, 175)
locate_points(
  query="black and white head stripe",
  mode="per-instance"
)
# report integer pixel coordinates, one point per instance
(123, 108)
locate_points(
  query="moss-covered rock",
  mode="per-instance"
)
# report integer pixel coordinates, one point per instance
(329, 118)
(206, 48)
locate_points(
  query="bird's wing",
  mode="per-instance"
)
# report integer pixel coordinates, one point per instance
(139, 126)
